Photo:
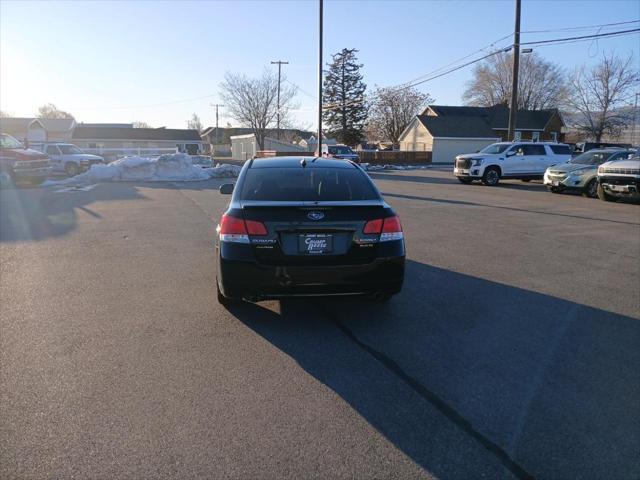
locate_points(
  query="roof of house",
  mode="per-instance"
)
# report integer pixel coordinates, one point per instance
(224, 133)
(457, 126)
(83, 132)
(53, 125)
(498, 116)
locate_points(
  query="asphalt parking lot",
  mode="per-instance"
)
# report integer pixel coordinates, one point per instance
(513, 350)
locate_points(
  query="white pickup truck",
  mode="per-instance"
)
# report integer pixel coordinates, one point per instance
(619, 179)
(510, 160)
(68, 158)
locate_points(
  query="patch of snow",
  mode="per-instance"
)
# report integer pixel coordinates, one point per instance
(176, 167)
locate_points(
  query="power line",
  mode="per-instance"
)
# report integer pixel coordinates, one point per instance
(586, 27)
(173, 102)
(583, 37)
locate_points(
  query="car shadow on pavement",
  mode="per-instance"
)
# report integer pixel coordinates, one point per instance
(542, 385)
(33, 214)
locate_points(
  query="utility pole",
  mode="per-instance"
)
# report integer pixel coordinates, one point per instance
(216, 105)
(635, 121)
(279, 63)
(320, 83)
(513, 110)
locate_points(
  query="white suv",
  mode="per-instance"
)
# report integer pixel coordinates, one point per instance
(510, 160)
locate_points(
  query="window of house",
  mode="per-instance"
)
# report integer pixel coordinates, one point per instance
(554, 136)
(517, 136)
(535, 136)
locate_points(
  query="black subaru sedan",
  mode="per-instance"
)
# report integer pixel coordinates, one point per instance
(300, 226)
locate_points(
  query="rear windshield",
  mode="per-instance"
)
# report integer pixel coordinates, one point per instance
(340, 150)
(592, 158)
(307, 185)
(560, 149)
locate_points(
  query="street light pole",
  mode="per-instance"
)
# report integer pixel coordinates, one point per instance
(513, 107)
(319, 140)
(279, 63)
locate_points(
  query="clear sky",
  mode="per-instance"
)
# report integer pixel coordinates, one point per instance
(123, 61)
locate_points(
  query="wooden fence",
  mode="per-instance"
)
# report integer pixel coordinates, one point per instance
(394, 157)
(375, 158)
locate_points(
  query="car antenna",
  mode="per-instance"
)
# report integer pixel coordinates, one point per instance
(303, 162)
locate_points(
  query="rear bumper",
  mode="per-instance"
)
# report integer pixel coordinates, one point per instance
(248, 279)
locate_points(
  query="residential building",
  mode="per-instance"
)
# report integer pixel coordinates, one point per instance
(447, 131)
(244, 147)
(38, 130)
(96, 138)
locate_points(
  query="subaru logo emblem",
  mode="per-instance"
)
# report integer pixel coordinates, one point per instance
(315, 215)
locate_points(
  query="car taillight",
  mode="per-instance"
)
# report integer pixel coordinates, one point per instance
(255, 228)
(232, 229)
(373, 226)
(389, 228)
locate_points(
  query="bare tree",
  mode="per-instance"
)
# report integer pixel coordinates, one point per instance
(392, 110)
(598, 92)
(541, 84)
(139, 124)
(253, 101)
(194, 123)
(51, 111)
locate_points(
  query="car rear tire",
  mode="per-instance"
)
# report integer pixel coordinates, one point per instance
(71, 169)
(602, 195)
(466, 181)
(491, 177)
(591, 190)
(6, 179)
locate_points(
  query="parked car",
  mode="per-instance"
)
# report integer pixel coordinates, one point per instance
(580, 173)
(510, 160)
(619, 179)
(342, 152)
(307, 227)
(20, 163)
(68, 158)
(584, 147)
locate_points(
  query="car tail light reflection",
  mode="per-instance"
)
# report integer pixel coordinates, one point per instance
(389, 228)
(237, 230)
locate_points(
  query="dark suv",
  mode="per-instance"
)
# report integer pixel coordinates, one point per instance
(20, 163)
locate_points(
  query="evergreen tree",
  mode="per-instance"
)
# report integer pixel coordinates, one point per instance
(345, 110)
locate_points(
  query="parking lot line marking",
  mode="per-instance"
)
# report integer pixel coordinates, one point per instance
(434, 400)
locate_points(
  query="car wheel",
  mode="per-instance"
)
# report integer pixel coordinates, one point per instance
(466, 181)
(491, 177)
(555, 189)
(526, 180)
(591, 190)
(602, 195)
(6, 179)
(71, 169)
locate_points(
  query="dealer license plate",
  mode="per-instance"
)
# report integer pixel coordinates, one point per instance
(315, 243)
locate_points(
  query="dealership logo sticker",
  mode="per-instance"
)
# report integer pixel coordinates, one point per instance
(315, 215)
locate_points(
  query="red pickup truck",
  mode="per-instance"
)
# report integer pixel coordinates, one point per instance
(20, 163)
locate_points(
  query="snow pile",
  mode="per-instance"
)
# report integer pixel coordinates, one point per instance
(377, 168)
(171, 167)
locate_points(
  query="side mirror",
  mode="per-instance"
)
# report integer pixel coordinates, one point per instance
(226, 188)
(477, 151)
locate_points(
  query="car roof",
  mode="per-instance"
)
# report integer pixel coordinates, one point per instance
(293, 162)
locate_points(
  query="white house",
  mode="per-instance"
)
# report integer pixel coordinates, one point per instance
(38, 130)
(447, 131)
(244, 147)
